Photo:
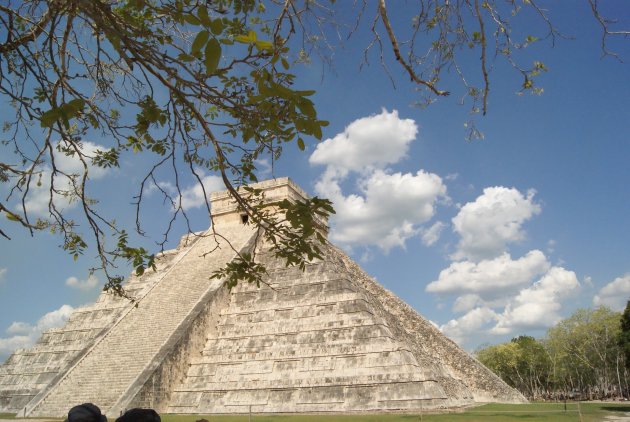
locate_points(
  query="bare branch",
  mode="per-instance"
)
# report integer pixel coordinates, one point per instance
(396, 49)
(34, 31)
(484, 71)
(606, 31)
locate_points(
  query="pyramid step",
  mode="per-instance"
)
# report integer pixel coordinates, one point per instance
(112, 366)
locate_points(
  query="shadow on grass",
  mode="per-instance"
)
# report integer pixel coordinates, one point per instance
(616, 408)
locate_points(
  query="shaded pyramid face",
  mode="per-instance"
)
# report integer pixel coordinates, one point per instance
(329, 339)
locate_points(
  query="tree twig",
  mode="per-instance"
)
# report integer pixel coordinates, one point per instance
(396, 49)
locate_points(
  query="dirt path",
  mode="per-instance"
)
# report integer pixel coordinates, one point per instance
(625, 417)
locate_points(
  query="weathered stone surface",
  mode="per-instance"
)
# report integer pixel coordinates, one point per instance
(27, 372)
(329, 339)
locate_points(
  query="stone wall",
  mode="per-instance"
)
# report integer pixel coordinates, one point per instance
(313, 341)
(433, 347)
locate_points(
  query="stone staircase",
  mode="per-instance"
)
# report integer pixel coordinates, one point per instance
(28, 371)
(125, 354)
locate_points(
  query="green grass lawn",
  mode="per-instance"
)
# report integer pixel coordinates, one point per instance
(532, 412)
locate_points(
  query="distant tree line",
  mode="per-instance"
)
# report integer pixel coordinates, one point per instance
(586, 356)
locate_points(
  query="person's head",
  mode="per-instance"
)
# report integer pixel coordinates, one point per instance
(86, 412)
(140, 415)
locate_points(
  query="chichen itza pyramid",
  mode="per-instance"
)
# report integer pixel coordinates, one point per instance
(329, 339)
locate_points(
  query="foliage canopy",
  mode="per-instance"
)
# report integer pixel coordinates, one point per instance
(208, 86)
(624, 334)
(579, 355)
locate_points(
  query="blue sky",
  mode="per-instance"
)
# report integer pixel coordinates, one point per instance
(489, 239)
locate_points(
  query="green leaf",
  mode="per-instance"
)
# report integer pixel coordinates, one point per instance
(317, 131)
(200, 40)
(64, 112)
(246, 39)
(48, 118)
(306, 107)
(185, 57)
(12, 217)
(74, 107)
(213, 55)
(216, 26)
(300, 143)
(192, 19)
(203, 16)
(93, 121)
(264, 45)
(307, 93)
(242, 39)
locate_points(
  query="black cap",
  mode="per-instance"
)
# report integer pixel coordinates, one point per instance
(86, 412)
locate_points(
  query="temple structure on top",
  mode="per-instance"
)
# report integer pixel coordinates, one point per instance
(327, 339)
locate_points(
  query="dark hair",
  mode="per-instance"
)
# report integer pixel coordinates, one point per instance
(86, 412)
(140, 415)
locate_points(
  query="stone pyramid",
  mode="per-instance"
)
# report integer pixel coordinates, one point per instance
(329, 339)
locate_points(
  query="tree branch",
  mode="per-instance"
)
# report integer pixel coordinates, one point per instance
(31, 35)
(396, 49)
(484, 71)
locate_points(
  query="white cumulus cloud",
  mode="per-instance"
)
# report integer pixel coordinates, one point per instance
(369, 142)
(264, 168)
(23, 335)
(384, 208)
(615, 294)
(489, 278)
(467, 302)
(534, 307)
(492, 221)
(538, 306)
(37, 201)
(498, 295)
(9, 344)
(476, 320)
(387, 210)
(87, 284)
(72, 164)
(19, 328)
(432, 234)
(193, 196)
